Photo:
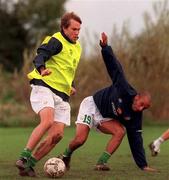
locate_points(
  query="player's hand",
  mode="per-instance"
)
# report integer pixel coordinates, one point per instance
(149, 169)
(73, 91)
(103, 41)
(45, 72)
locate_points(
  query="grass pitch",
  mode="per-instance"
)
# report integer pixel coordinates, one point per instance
(12, 141)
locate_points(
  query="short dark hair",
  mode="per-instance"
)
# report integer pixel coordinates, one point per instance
(65, 20)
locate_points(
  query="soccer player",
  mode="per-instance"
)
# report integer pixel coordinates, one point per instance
(112, 110)
(52, 84)
(155, 145)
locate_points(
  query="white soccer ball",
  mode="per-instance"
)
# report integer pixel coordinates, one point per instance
(54, 167)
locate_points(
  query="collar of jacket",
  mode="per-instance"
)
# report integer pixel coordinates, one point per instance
(64, 35)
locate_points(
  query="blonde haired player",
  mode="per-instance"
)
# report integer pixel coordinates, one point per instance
(51, 81)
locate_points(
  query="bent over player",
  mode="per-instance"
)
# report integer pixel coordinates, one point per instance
(112, 110)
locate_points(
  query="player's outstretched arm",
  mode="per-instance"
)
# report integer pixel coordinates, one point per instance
(113, 66)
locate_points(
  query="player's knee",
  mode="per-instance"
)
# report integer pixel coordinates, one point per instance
(47, 124)
(50, 123)
(123, 131)
(120, 133)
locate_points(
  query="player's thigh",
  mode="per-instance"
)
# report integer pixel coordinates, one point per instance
(111, 127)
(47, 115)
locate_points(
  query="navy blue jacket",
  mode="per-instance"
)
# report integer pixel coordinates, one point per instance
(115, 102)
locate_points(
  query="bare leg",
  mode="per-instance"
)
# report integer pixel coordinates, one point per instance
(82, 132)
(26, 163)
(46, 121)
(80, 138)
(165, 135)
(117, 131)
(55, 134)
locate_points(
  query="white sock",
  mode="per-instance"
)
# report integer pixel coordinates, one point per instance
(158, 142)
(161, 140)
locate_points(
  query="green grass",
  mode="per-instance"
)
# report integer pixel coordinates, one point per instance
(12, 141)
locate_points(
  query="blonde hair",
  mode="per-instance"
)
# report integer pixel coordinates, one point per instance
(65, 20)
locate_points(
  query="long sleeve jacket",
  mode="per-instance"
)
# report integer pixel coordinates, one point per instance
(115, 102)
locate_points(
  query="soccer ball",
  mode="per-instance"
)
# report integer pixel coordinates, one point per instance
(54, 167)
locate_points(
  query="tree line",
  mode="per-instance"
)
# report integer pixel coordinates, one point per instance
(22, 23)
(145, 58)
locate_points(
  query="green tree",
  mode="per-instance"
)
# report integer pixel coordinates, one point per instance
(22, 24)
(150, 58)
(13, 41)
(39, 17)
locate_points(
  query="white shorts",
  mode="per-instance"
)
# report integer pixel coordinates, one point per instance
(42, 97)
(89, 114)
